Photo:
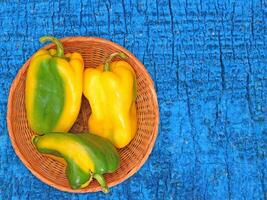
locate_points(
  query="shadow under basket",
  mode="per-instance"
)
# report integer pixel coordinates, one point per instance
(133, 156)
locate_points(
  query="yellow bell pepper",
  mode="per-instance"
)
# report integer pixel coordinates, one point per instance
(53, 90)
(87, 156)
(111, 92)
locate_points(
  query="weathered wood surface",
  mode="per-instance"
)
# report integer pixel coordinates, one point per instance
(209, 63)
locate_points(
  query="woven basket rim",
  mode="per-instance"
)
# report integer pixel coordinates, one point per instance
(45, 180)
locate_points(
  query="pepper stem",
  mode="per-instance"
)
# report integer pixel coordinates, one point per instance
(101, 180)
(111, 57)
(35, 139)
(60, 49)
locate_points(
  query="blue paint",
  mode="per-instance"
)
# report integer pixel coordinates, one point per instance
(208, 60)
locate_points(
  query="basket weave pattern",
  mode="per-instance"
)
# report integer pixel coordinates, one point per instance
(133, 156)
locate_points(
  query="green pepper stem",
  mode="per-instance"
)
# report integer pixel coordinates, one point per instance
(101, 180)
(60, 49)
(35, 139)
(111, 57)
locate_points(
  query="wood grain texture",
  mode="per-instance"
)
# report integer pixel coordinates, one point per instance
(208, 60)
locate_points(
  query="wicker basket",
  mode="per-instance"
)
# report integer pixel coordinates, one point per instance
(133, 156)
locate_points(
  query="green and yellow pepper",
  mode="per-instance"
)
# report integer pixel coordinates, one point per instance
(53, 89)
(87, 156)
(111, 92)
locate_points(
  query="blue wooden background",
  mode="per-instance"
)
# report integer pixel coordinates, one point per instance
(209, 63)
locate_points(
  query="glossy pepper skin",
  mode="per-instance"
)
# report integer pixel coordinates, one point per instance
(87, 156)
(53, 89)
(111, 92)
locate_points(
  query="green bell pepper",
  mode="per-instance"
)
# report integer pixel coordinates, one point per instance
(87, 156)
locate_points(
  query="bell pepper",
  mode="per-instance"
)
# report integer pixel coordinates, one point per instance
(111, 91)
(87, 156)
(53, 88)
